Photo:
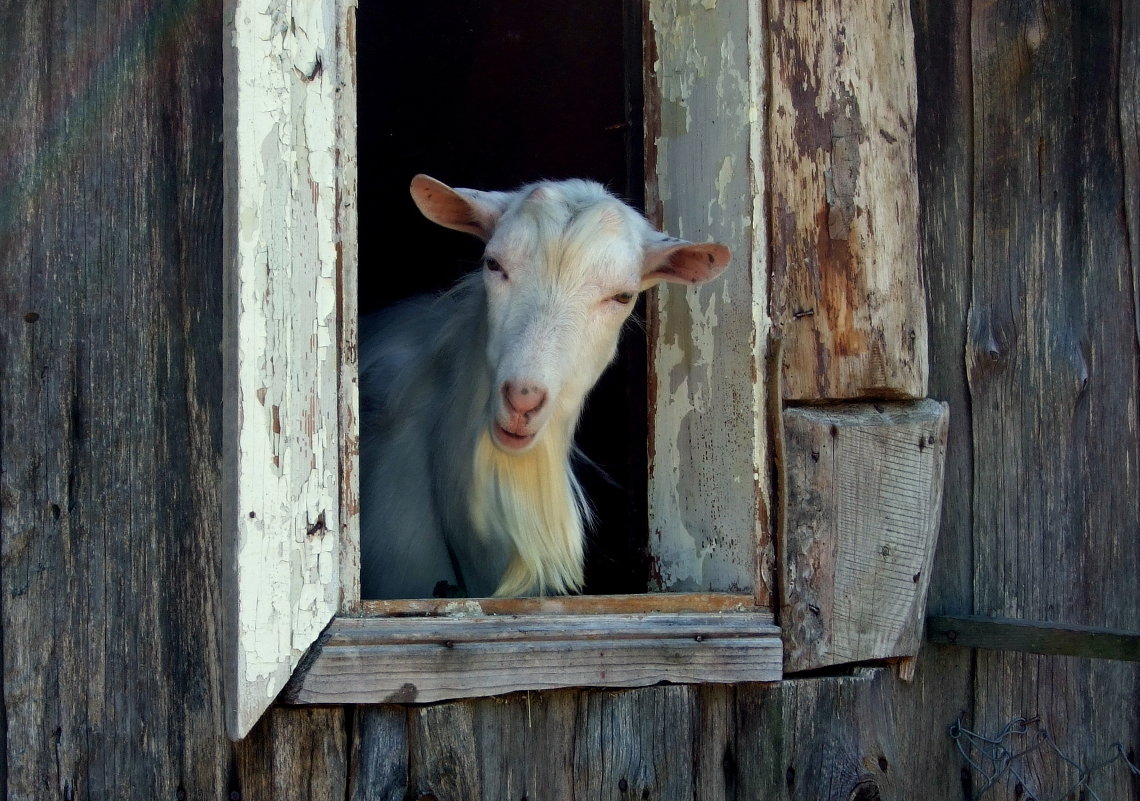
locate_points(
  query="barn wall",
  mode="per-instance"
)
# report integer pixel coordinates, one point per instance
(110, 303)
(1029, 168)
(110, 428)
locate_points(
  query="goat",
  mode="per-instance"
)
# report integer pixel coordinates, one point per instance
(469, 400)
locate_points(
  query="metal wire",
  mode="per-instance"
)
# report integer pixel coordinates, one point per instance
(1002, 756)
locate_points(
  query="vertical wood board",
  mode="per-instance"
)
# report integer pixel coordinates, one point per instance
(847, 283)
(708, 492)
(348, 265)
(864, 502)
(293, 755)
(945, 153)
(1052, 370)
(282, 341)
(864, 736)
(110, 429)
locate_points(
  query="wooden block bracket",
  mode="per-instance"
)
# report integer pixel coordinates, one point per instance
(864, 493)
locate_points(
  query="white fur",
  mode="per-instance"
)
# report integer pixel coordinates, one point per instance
(461, 482)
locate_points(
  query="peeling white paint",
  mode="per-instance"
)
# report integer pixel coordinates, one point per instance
(283, 439)
(709, 431)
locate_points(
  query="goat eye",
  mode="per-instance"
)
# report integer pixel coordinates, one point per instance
(494, 266)
(624, 298)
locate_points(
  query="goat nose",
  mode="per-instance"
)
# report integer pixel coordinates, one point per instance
(523, 397)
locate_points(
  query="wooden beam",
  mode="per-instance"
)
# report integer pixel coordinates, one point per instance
(1034, 637)
(847, 284)
(423, 660)
(864, 485)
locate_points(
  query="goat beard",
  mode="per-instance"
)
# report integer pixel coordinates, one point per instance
(533, 502)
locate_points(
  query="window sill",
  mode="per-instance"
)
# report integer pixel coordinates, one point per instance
(429, 651)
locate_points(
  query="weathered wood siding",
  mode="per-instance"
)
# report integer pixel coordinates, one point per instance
(110, 400)
(1051, 363)
(110, 440)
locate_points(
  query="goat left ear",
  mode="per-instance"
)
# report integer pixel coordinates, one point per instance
(467, 210)
(681, 262)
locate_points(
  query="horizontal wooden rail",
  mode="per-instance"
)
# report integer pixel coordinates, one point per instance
(1035, 637)
(427, 659)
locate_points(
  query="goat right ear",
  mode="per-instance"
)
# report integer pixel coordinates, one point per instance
(467, 210)
(681, 262)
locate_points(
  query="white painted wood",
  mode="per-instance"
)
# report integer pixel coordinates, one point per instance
(709, 492)
(281, 516)
(410, 660)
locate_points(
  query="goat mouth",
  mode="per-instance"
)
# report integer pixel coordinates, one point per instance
(511, 441)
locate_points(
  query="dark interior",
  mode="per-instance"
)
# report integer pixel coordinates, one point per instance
(492, 94)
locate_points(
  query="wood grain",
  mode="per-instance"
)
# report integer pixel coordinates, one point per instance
(945, 168)
(378, 768)
(864, 500)
(568, 744)
(347, 313)
(1052, 370)
(293, 755)
(847, 282)
(110, 422)
(833, 738)
(358, 631)
(422, 660)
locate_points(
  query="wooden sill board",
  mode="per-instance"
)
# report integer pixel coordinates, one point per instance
(424, 660)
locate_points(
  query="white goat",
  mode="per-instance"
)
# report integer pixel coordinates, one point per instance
(469, 400)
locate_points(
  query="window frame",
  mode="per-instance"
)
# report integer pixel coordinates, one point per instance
(292, 614)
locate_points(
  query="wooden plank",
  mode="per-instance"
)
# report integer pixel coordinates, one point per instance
(110, 428)
(847, 282)
(945, 164)
(801, 740)
(567, 605)
(282, 341)
(379, 754)
(864, 500)
(1036, 637)
(1052, 371)
(1128, 104)
(708, 495)
(567, 744)
(628, 744)
(425, 673)
(293, 755)
(356, 631)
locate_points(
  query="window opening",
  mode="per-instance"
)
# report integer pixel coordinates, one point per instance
(490, 96)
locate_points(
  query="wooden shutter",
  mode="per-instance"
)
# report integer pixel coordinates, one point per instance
(288, 106)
